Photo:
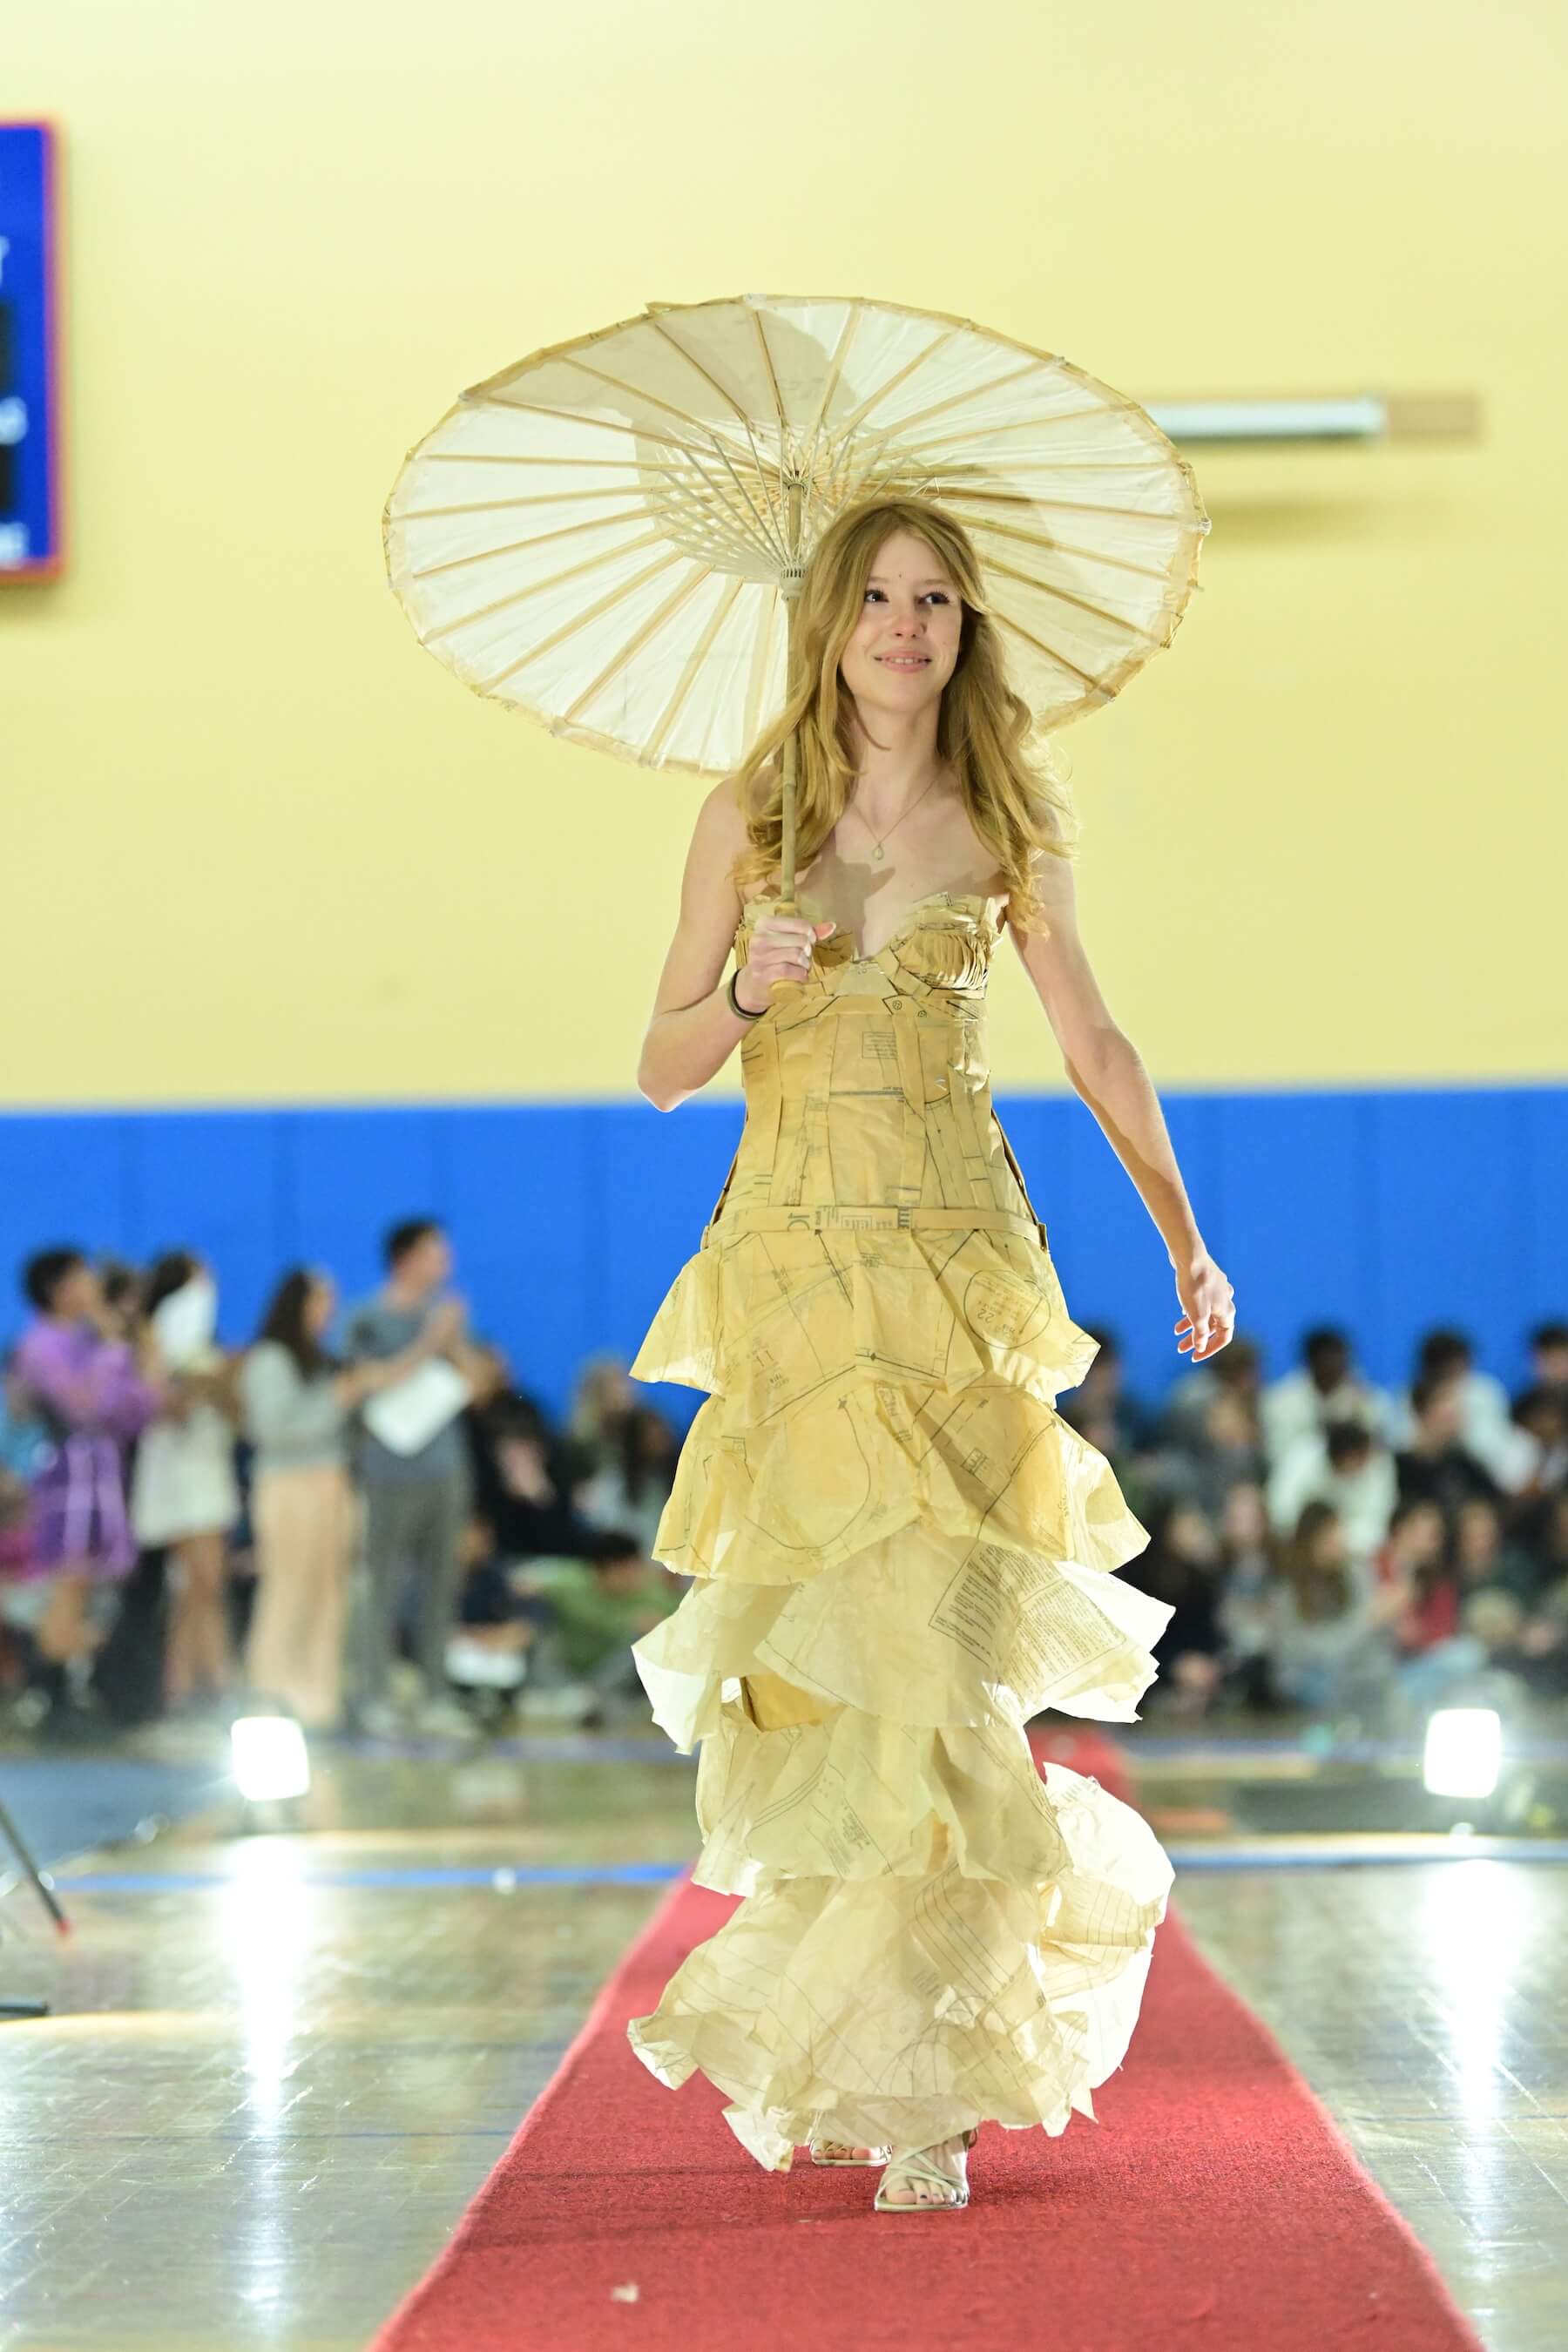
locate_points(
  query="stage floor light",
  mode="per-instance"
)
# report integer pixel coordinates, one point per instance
(1463, 1751)
(271, 1762)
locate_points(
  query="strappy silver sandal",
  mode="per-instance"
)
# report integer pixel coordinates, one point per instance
(913, 2166)
(842, 2151)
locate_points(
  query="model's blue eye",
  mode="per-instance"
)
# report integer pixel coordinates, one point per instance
(940, 592)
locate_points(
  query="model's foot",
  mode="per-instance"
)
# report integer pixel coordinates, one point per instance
(949, 2159)
(845, 2151)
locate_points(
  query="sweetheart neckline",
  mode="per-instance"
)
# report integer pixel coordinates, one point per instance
(973, 897)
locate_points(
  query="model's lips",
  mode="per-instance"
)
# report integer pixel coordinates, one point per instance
(905, 661)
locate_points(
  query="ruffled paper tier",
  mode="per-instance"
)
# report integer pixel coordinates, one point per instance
(904, 2006)
(765, 1318)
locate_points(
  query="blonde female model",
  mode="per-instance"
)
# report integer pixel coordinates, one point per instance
(900, 1552)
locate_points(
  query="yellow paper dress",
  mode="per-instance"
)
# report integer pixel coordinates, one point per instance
(901, 1553)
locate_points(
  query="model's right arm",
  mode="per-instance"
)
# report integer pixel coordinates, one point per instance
(694, 1029)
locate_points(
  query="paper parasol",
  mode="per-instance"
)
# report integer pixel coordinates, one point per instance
(609, 535)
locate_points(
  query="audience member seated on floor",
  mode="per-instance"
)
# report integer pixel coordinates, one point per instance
(1543, 1529)
(605, 1391)
(1529, 1644)
(1542, 1413)
(1103, 1397)
(1222, 1452)
(1099, 1427)
(511, 1410)
(510, 1626)
(1485, 1426)
(529, 1519)
(1235, 1371)
(1345, 1465)
(1243, 1609)
(1549, 1356)
(637, 1470)
(599, 1610)
(1486, 1558)
(1330, 1646)
(1328, 1388)
(1181, 1566)
(1413, 1563)
(1438, 1464)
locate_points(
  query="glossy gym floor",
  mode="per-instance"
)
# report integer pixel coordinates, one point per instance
(280, 2059)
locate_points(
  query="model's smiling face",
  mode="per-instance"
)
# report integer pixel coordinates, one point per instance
(904, 646)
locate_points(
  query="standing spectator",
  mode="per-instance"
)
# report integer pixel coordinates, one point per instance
(1344, 1465)
(92, 1388)
(1486, 1427)
(1437, 1463)
(1328, 1388)
(296, 1402)
(1330, 1645)
(184, 1495)
(416, 1505)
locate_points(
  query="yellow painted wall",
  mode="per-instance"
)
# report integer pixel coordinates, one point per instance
(258, 846)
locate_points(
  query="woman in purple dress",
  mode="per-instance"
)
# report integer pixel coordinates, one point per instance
(91, 1390)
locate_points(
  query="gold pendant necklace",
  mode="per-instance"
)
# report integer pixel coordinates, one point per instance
(877, 852)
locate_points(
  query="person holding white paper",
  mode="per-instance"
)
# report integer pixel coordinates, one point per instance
(418, 1496)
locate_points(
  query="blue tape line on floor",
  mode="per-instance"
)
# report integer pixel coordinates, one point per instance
(1351, 1858)
(503, 1875)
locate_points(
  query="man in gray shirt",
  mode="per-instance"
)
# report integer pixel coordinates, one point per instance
(416, 1505)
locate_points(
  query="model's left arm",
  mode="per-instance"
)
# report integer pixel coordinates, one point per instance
(1106, 1070)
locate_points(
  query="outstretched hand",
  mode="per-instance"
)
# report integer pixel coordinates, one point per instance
(1208, 1323)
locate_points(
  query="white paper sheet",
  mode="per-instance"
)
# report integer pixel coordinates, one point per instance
(407, 1415)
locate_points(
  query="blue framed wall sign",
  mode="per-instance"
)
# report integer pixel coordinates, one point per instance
(30, 537)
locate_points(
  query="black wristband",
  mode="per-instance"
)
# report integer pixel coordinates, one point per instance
(743, 1010)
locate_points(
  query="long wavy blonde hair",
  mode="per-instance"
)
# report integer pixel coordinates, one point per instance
(987, 734)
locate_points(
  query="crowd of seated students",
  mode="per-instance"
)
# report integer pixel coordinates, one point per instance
(1333, 1546)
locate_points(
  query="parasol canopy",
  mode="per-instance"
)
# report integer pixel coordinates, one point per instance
(608, 535)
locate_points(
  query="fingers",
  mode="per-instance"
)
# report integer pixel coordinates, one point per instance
(781, 947)
(1205, 1336)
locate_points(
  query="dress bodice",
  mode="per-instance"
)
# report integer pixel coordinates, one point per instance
(866, 1081)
